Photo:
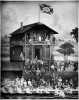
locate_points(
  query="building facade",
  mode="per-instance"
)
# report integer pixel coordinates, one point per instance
(32, 41)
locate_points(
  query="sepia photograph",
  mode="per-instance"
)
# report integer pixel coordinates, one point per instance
(39, 50)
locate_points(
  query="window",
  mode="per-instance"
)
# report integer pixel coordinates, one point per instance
(16, 53)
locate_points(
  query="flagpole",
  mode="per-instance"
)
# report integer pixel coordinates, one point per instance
(39, 12)
(25, 49)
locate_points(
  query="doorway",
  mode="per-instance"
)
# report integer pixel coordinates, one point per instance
(37, 53)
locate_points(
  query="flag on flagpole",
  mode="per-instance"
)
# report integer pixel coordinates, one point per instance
(46, 9)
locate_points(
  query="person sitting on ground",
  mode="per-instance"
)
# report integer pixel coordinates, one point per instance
(59, 82)
(71, 83)
(29, 83)
(43, 83)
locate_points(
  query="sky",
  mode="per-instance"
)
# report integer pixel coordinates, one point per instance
(63, 20)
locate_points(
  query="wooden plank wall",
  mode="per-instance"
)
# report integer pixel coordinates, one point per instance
(6, 64)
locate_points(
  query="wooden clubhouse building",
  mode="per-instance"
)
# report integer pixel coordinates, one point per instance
(31, 41)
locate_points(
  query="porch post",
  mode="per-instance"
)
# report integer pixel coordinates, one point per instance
(25, 48)
(45, 51)
(50, 51)
(32, 52)
(49, 57)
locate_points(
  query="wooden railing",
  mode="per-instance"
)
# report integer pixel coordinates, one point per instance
(31, 43)
(17, 43)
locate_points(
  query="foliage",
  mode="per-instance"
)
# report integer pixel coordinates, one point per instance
(75, 34)
(66, 48)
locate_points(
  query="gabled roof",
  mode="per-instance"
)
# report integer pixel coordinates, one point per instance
(34, 26)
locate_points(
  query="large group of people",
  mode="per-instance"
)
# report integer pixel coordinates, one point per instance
(65, 66)
(42, 74)
(41, 77)
(20, 85)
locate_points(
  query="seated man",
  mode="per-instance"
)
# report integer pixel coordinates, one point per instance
(29, 82)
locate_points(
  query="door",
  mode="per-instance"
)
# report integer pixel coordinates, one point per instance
(37, 53)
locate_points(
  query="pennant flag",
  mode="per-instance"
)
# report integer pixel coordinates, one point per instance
(46, 9)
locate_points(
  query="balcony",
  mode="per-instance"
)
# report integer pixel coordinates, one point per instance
(17, 43)
(37, 42)
(31, 42)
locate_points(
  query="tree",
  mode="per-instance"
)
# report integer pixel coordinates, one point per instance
(66, 49)
(75, 34)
